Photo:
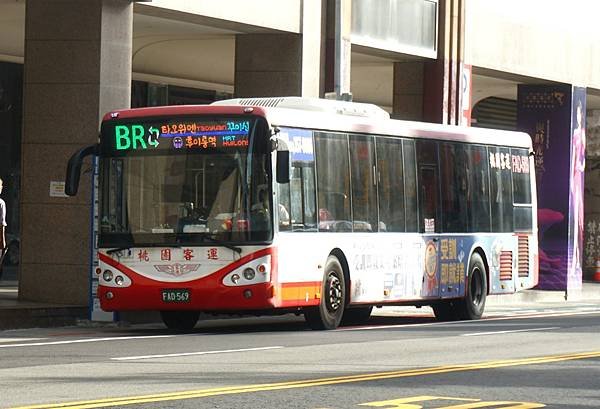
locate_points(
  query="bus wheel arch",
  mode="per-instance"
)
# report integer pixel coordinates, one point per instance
(353, 315)
(481, 253)
(334, 288)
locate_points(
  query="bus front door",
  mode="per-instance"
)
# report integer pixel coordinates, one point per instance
(429, 226)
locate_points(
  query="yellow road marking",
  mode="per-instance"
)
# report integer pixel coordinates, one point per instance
(408, 403)
(412, 403)
(229, 390)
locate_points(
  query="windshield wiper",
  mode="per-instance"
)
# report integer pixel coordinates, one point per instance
(212, 239)
(205, 238)
(116, 250)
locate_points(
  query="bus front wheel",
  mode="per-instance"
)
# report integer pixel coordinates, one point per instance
(328, 314)
(472, 305)
(180, 320)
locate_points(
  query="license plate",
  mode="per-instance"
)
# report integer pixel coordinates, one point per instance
(176, 295)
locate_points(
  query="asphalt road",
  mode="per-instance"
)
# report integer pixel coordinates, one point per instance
(511, 359)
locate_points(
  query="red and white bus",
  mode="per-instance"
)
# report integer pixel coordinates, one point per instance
(320, 207)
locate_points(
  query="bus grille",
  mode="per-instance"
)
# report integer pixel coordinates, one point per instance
(523, 260)
(506, 261)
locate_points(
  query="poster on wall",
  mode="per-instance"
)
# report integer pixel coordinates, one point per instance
(576, 193)
(547, 113)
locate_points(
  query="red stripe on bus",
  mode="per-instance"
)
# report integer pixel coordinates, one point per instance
(224, 270)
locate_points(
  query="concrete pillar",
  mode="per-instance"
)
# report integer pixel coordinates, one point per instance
(77, 67)
(408, 91)
(435, 87)
(270, 65)
(313, 48)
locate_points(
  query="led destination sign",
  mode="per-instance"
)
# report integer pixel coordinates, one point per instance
(181, 135)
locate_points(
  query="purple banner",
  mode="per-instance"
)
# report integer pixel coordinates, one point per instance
(577, 168)
(546, 112)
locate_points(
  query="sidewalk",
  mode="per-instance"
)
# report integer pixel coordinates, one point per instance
(15, 313)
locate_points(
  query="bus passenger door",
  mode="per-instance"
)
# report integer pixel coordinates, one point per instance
(429, 199)
(429, 211)
(429, 215)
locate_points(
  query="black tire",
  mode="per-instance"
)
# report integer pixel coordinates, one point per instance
(356, 315)
(180, 320)
(445, 311)
(328, 315)
(472, 305)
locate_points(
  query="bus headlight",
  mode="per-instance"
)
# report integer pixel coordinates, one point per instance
(235, 278)
(107, 275)
(119, 280)
(262, 268)
(249, 274)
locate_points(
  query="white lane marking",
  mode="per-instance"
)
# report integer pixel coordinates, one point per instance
(486, 318)
(6, 340)
(82, 341)
(225, 351)
(474, 334)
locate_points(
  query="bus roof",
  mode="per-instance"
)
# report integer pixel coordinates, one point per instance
(332, 115)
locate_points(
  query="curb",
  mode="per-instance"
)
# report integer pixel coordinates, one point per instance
(41, 317)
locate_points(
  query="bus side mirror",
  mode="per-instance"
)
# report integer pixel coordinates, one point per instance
(74, 168)
(283, 166)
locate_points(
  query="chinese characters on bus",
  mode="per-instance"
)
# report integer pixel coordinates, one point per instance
(144, 255)
(506, 161)
(452, 267)
(177, 135)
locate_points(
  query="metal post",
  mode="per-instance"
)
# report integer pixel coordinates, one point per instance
(342, 50)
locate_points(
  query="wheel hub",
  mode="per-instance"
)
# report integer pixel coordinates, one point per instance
(335, 292)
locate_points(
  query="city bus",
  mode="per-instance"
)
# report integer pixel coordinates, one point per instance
(308, 206)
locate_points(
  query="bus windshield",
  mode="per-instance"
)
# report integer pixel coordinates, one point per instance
(184, 181)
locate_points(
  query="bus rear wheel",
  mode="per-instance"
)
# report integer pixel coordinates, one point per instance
(180, 320)
(445, 311)
(471, 307)
(328, 314)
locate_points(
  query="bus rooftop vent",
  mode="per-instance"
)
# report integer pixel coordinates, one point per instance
(312, 104)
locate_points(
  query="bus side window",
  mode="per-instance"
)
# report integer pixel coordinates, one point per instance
(297, 207)
(364, 193)
(333, 182)
(429, 208)
(410, 186)
(454, 183)
(523, 217)
(284, 200)
(478, 196)
(501, 189)
(391, 185)
(302, 193)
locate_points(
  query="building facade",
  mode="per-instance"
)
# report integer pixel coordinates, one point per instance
(64, 63)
